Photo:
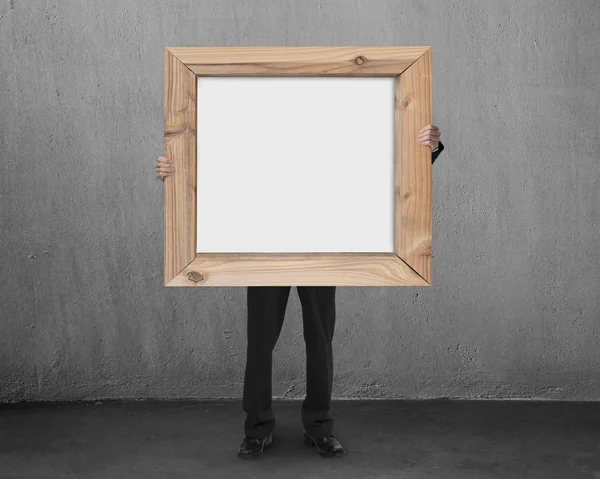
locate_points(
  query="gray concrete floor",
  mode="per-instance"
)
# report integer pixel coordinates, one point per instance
(395, 439)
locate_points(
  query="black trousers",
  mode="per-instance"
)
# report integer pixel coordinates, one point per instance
(266, 311)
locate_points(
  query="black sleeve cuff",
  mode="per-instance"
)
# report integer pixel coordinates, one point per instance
(437, 152)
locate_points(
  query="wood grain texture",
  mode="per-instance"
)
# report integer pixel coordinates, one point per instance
(297, 269)
(412, 172)
(410, 265)
(180, 147)
(298, 61)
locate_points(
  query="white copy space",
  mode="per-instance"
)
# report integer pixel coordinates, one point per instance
(289, 164)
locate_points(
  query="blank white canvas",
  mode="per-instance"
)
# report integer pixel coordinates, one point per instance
(295, 164)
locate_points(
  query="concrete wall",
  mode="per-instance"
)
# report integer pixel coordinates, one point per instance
(514, 310)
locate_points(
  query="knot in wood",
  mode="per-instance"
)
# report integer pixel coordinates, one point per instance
(195, 276)
(359, 60)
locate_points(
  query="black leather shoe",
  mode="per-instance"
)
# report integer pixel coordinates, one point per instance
(253, 447)
(327, 446)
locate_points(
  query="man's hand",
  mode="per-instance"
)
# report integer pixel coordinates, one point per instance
(164, 168)
(430, 135)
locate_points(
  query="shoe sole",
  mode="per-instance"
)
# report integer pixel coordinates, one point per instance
(309, 442)
(260, 454)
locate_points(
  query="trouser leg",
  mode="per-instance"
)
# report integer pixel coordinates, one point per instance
(318, 315)
(266, 310)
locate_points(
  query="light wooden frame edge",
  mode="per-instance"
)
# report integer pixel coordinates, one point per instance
(409, 265)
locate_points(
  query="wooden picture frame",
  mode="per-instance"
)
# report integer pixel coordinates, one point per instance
(409, 264)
